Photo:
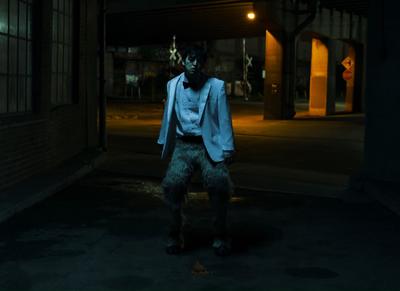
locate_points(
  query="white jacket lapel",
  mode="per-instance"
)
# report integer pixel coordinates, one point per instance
(171, 97)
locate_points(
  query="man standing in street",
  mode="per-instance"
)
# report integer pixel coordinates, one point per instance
(197, 130)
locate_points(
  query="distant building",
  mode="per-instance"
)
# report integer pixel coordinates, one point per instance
(150, 64)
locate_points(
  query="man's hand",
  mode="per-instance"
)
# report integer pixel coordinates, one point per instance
(228, 157)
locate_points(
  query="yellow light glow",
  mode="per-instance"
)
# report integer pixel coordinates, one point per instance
(251, 15)
(319, 78)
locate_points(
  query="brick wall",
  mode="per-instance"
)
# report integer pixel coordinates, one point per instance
(31, 147)
(23, 148)
(66, 132)
(51, 135)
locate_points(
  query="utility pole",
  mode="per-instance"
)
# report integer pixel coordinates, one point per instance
(175, 57)
(246, 64)
(244, 82)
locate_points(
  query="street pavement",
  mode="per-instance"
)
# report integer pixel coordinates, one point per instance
(308, 155)
(106, 231)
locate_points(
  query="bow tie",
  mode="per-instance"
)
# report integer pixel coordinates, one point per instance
(190, 85)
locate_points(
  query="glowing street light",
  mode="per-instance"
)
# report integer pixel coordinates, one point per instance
(251, 15)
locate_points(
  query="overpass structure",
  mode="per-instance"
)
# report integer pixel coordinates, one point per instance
(282, 22)
(324, 23)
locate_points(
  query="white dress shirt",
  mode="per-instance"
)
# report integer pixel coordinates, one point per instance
(187, 110)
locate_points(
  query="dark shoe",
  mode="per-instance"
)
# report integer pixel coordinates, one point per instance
(174, 245)
(222, 247)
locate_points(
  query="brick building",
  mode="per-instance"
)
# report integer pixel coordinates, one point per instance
(48, 81)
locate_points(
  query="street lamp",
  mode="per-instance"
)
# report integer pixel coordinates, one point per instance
(251, 15)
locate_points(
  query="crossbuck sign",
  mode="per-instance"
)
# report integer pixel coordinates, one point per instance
(174, 56)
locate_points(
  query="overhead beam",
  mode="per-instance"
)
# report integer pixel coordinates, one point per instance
(188, 23)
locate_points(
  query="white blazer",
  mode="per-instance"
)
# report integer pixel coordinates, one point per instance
(214, 115)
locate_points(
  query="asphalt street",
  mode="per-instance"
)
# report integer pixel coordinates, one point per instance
(106, 232)
(290, 229)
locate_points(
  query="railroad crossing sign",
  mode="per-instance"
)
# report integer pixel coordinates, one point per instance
(249, 61)
(348, 63)
(174, 56)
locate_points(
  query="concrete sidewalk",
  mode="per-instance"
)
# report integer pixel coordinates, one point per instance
(106, 232)
(39, 187)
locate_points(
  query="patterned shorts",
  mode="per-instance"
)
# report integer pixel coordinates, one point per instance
(186, 159)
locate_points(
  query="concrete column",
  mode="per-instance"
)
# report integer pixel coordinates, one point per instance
(323, 77)
(273, 103)
(354, 86)
(331, 94)
(318, 78)
(109, 74)
(382, 135)
(90, 66)
(349, 98)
